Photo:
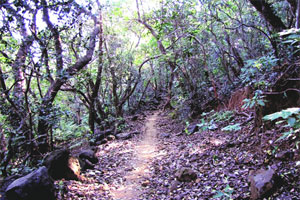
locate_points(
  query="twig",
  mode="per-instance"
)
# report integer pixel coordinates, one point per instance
(289, 89)
(293, 79)
(243, 114)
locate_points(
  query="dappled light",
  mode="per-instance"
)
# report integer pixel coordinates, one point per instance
(217, 142)
(144, 152)
(158, 99)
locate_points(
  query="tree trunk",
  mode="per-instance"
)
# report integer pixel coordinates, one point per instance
(93, 103)
(163, 51)
(168, 104)
(298, 15)
(267, 12)
(18, 115)
(293, 4)
(47, 101)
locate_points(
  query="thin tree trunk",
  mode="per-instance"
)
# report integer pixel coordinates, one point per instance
(265, 8)
(93, 101)
(143, 93)
(163, 51)
(47, 101)
(298, 15)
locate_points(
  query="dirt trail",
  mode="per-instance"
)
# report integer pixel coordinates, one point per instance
(144, 152)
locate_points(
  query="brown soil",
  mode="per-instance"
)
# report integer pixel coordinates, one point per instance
(144, 167)
(144, 152)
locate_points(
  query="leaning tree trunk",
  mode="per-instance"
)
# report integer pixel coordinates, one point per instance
(298, 15)
(163, 51)
(47, 102)
(268, 13)
(93, 102)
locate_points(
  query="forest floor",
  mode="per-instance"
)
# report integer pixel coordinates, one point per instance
(145, 166)
(145, 151)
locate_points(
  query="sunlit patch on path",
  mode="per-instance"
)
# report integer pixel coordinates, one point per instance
(144, 152)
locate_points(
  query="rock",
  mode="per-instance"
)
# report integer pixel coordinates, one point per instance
(34, 186)
(195, 157)
(60, 165)
(88, 154)
(134, 118)
(145, 183)
(126, 136)
(285, 155)
(178, 134)
(73, 169)
(5, 183)
(87, 159)
(193, 128)
(179, 197)
(111, 137)
(174, 185)
(262, 183)
(104, 141)
(165, 135)
(230, 145)
(186, 175)
(100, 135)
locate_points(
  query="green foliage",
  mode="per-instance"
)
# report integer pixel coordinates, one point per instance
(225, 194)
(254, 70)
(234, 127)
(285, 114)
(257, 99)
(204, 126)
(173, 114)
(67, 130)
(209, 120)
(187, 124)
(203, 39)
(291, 118)
(121, 124)
(292, 38)
(223, 116)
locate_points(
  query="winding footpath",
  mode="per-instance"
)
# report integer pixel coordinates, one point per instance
(144, 152)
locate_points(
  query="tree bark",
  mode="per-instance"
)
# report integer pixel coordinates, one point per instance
(47, 101)
(163, 51)
(268, 13)
(56, 35)
(293, 4)
(298, 15)
(93, 107)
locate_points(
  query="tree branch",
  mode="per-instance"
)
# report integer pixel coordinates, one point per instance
(267, 12)
(55, 32)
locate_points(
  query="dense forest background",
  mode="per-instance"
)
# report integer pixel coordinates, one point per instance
(70, 68)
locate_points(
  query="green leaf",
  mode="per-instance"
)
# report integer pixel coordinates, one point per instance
(287, 41)
(284, 114)
(218, 195)
(285, 135)
(212, 127)
(291, 121)
(279, 122)
(261, 102)
(272, 116)
(228, 189)
(235, 127)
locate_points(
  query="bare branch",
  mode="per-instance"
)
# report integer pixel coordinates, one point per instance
(55, 32)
